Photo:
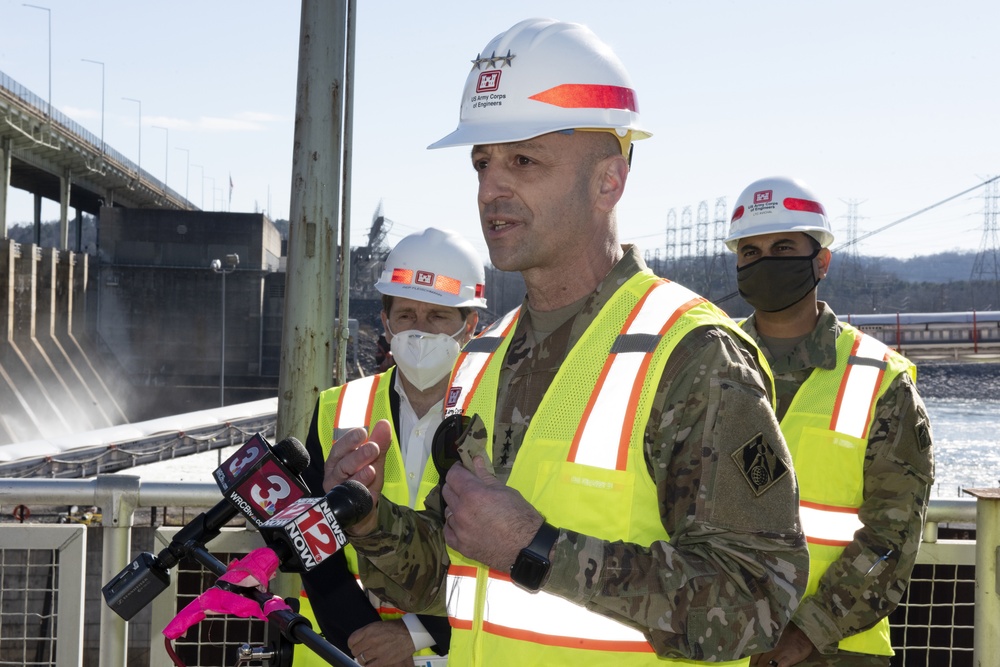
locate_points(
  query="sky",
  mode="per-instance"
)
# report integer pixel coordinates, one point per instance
(890, 104)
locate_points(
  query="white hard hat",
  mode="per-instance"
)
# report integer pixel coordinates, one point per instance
(436, 266)
(778, 204)
(541, 76)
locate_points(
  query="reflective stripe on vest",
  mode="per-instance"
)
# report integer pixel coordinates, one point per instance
(536, 617)
(473, 360)
(356, 400)
(615, 397)
(832, 525)
(828, 525)
(859, 389)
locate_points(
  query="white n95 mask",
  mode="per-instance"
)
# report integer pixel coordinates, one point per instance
(424, 358)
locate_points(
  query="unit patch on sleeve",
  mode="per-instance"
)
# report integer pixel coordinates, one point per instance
(760, 465)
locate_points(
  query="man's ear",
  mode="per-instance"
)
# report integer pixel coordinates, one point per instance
(612, 174)
(385, 327)
(471, 321)
(823, 260)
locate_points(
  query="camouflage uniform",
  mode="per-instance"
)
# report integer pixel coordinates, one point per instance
(899, 471)
(736, 564)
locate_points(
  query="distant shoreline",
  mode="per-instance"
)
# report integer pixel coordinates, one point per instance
(939, 380)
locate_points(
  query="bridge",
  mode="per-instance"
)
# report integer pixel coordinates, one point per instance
(50, 155)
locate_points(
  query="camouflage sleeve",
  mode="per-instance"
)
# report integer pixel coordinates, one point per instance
(899, 471)
(405, 559)
(736, 563)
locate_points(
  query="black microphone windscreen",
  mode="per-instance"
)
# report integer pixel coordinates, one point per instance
(293, 454)
(360, 497)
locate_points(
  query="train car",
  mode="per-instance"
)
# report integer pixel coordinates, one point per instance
(911, 333)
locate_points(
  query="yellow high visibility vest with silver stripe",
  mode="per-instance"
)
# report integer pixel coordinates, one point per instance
(363, 402)
(826, 428)
(583, 449)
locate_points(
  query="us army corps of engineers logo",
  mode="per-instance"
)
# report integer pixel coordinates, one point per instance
(760, 464)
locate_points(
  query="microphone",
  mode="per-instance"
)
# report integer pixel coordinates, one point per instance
(310, 530)
(257, 480)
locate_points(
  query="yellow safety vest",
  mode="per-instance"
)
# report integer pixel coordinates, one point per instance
(363, 402)
(826, 428)
(582, 466)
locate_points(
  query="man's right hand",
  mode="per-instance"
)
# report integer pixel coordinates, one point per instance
(355, 456)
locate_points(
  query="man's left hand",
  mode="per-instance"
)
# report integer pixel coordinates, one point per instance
(383, 644)
(486, 520)
(793, 647)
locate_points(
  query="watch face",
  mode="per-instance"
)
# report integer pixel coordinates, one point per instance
(529, 570)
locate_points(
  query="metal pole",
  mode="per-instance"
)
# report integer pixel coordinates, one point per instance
(138, 165)
(49, 12)
(343, 332)
(222, 351)
(985, 638)
(117, 496)
(202, 181)
(98, 62)
(187, 169)
(310, 291)
(166, 155)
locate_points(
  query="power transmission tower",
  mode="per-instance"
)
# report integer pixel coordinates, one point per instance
(852, 259)
(670, 253)
(987, 265)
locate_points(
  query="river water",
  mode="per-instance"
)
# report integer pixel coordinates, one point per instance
(966, 449)
(966, 444)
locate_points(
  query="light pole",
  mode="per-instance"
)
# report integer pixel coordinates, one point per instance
(166, 154)
(49, 12)
(138, 177)
(187, 169)
(202, 181)
(98, 62)
(211, 178)
(231, 262)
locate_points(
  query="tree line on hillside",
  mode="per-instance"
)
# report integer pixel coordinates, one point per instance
(24, 233)
(855, 285)
(858, 284)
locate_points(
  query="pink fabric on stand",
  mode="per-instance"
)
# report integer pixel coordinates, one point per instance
(254, 570)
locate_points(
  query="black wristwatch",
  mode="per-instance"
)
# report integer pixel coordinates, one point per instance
(532, 564)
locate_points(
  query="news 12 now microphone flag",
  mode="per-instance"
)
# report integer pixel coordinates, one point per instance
(256, 482)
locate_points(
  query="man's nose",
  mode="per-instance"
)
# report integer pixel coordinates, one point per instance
(494, 183)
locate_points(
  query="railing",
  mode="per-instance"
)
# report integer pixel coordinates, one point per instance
(948, 571)
(38, 105)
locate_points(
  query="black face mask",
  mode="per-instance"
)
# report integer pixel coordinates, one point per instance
(772, 284)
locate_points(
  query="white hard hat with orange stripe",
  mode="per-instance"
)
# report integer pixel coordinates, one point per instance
(778, 204)
(544, 76)
(435, 266)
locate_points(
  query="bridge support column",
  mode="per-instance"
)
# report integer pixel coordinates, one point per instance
(64, 188)
(38, 219)
(5, 157)
(79, 231)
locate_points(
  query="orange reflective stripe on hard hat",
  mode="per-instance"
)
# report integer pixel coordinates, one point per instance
(449, 285)
(403, 276)
(588, 96)
(619, 385)
(859, 388)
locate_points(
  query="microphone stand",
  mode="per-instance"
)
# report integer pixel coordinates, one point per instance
(295, 627)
